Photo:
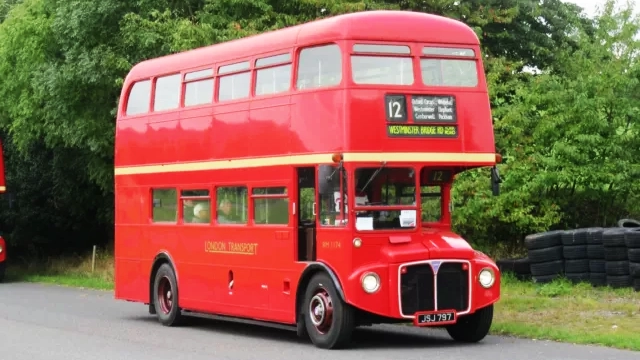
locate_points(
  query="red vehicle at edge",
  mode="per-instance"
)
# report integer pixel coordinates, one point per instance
(3, 244)
(302, 178)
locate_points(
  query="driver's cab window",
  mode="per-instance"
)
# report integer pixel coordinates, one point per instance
(385, 198)
(333, 207)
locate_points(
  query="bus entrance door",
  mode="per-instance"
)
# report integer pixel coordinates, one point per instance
(306, 214)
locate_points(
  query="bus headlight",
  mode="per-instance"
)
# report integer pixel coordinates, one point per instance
(486, 277)
(370, 282)
(1, 249)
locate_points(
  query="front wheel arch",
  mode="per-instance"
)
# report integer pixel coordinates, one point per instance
(307, 274)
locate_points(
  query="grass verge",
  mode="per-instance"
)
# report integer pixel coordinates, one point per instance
(558, 311)
(567, 312)
(76, 271)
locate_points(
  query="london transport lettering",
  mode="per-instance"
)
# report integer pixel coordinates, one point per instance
(422, 130)
(229, 247)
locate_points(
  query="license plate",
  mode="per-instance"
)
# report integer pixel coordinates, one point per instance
(435, 318)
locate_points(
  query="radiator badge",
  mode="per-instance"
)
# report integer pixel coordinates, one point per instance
(436, 265)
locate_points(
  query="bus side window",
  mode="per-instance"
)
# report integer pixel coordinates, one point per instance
(319, 66)
(165, 207)
(196, 206)
(235, 86)
(139, 98)
(198, 89)
(167, 95)
(270, 205)
(232, 205)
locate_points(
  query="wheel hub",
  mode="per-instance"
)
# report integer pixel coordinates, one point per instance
(321, 311)
(165, 295)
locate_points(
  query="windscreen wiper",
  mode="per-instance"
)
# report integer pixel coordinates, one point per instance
(374, 175)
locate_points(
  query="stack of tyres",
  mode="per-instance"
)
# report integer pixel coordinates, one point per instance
(544, 251)
(574, 251)
(595, 253)
(616, 257)
(519, 267)
(632, 240)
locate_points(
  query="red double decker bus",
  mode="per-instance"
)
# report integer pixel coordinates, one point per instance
(302, 178)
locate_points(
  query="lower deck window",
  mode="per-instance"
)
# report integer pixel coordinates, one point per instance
(232, 205)
(164, 204)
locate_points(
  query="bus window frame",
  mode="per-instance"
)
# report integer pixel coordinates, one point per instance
(412, 54)
(296, 66)
(185, 81)
(353, 209)
(481, 80)
(292, 60)
(182, 198)
(219, 76)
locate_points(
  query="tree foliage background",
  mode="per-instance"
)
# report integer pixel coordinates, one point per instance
(568, 129)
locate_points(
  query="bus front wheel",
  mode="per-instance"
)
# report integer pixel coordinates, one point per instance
(472, 328)
(165, 296)
(329, 321)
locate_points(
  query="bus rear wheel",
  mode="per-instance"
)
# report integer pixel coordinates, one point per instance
(472, 328)
(165, 296)
(329, 321)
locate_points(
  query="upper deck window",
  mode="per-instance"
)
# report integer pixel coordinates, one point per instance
(382, 49)
(319, 66)
(139, 98)
(382, 70)
(167, 94)
(274, 79)
(197, 91)
(449, 72)
(236, 86)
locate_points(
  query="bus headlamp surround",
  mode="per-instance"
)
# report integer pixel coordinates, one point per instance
(486, 277)
(370, 282)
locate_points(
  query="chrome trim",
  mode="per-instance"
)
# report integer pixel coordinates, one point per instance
(435, 269)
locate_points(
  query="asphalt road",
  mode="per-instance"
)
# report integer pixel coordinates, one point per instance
(59, 323)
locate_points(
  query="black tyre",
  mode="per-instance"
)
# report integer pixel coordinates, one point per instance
(597, 266)
(619, 281)
(576, 266)
(595, 251)
(472, 328)
(567, 237)
(546, 278)
(3, 267)
(575, 252)
(598, 279)
(594, 236)
(636, 284)
(165, 296)
(543, 240)
(328, 319)
(617, 267)
(633, 255)
(521, 268)
(632, 239)
(616, 253)
(547, 268)
(614, 237)
(628, 223)
(545, 255)
(634, 270)
(578, 277)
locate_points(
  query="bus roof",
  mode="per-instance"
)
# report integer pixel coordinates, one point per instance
(389, 26)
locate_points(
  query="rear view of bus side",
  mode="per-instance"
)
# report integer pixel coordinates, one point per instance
(302, 177)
